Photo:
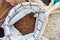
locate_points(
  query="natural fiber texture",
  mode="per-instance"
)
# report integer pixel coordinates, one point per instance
(4, 9)
(49, 5)
(53, 27)
(52, 24)
(40, 2)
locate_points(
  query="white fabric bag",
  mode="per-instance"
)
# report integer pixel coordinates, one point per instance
(18, 12)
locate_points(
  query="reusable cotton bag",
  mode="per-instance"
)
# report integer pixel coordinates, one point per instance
(17, 13)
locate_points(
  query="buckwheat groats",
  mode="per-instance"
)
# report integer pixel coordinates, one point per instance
(26, 24)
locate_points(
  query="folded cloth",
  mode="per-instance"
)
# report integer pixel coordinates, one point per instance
(52, 23)
(16, 14)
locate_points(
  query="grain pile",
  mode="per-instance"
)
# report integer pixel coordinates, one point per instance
(26, 24)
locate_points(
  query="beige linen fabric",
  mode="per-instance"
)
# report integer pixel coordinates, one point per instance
(51, 26)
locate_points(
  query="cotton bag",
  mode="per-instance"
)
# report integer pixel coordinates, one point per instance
(17, 13)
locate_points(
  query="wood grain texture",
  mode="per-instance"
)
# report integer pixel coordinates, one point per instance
(4, 9)
(15, 2)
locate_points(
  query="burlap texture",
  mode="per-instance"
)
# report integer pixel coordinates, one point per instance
(52, 24)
